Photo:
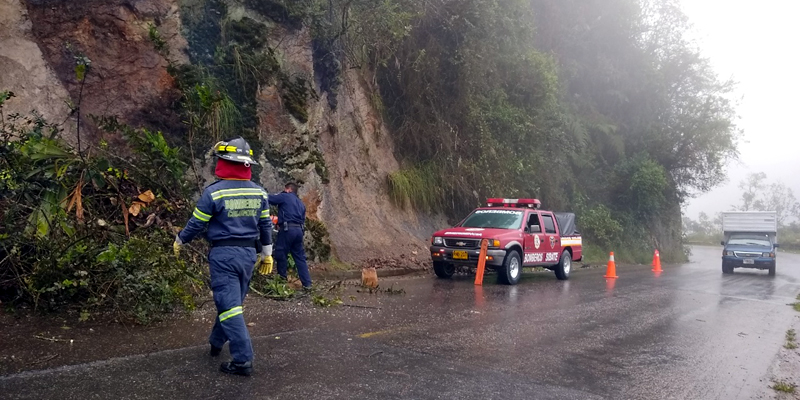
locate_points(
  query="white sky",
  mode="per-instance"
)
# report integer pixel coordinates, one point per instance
(757, 44)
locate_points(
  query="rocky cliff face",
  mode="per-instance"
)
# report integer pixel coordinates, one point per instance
(342, 155)
(24, 68)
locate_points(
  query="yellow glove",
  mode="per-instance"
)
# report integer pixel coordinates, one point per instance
(176, 246)
(266, 265)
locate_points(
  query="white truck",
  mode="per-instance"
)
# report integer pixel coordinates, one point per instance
(750, 240)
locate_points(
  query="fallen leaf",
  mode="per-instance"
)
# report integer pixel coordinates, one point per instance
(76, 200)
(251, 324)
(147, 196)
(150, 219)
(135, 208)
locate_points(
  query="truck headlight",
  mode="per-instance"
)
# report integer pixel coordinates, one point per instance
(493, 242)
(770, 255)
(729, 253)
(438, 240)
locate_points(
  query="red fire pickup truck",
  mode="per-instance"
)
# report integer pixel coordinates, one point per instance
(519, 235)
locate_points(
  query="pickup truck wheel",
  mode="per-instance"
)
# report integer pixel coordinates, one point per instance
(564, 266)
(443, 270)
(772, 270)
(726, 269)
(511, 270)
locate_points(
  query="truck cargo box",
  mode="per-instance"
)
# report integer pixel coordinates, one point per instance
(749, 221)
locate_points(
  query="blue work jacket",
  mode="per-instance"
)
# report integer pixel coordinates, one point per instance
(231, 209)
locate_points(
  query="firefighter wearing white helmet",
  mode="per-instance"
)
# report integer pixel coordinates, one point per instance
(235, 212)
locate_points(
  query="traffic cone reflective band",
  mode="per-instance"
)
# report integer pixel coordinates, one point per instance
(611, 270)
(657, 262)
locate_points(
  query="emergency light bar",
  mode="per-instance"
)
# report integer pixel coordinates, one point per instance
(529, 203)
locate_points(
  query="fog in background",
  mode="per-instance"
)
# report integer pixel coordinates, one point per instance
(757, 44)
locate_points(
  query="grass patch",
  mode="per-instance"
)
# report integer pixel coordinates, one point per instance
(791, 338)
(337, 265)
(295, 94)
(325, 302)
(796, 305)
(594, 255)
(783, 386)
(417, 187)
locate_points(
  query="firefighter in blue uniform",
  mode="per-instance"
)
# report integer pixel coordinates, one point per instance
(235, 212)
(291, 226)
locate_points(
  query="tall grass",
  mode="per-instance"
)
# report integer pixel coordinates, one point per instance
(418, 187)
(224, 119)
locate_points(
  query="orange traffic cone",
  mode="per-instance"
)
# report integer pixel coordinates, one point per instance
(611, 270)
(657, 262)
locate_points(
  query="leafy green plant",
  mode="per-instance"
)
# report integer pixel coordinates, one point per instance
(783, 386)
(642, 184)
(325, 302)
(5, 95)
(599, 225)
(80, 231)
(273, 287)
(155, 36)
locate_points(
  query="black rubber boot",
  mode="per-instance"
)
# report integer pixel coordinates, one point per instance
(215, 351)
(243, 369)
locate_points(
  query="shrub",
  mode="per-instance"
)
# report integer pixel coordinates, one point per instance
(93, 230)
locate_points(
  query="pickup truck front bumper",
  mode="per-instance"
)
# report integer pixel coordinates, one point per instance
(756, 263)
(441, 253)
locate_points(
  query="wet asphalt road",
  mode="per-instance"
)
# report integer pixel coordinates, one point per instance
(689, 333)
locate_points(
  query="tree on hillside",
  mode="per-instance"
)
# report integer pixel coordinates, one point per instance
(758, 195)
(705, 223)
(780, 198)
(751, 187)
(602, 100)
(704, 230)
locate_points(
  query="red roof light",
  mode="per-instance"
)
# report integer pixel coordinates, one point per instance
(498, 202)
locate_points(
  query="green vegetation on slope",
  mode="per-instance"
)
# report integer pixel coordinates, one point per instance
(581, 104)
(599, 106)
(92, 229)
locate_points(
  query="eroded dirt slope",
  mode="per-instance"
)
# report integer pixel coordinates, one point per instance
(342, 155)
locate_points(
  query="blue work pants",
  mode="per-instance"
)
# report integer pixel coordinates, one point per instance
(291, 242)
(231, 271)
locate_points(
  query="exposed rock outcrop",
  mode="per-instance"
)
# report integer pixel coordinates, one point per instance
(341, 156)
(25, 71)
